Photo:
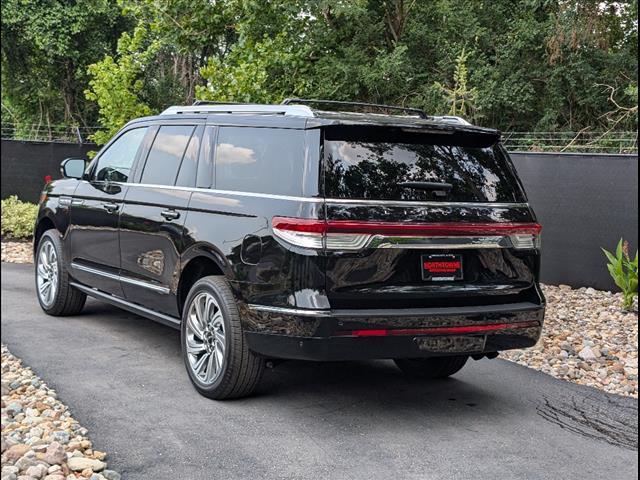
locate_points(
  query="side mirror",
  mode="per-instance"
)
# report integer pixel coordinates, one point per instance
(72, 167)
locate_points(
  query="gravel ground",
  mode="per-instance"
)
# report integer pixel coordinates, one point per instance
(40, 439)
(17, 252)
(587, 339)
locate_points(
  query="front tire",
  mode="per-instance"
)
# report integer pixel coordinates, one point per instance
(215, 352)
(55, 294)
(434, 367)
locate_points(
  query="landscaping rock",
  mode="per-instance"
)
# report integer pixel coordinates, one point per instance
(56, 454)
(17, 252)
(38, 431)
(587, 339)
(78, 464)
(587, 354)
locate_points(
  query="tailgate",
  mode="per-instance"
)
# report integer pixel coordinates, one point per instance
(425, 220)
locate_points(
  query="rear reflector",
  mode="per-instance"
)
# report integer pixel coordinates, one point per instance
(465, 329)
(355, 235)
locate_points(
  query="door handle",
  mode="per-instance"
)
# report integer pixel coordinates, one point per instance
(110, 207)
(170, 214)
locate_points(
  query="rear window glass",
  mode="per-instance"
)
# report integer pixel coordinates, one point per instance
(373, 164)
(260, 160)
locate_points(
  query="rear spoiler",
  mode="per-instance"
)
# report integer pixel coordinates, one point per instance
(431, 133)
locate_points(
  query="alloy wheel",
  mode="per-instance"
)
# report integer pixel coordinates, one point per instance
(205, 338)
(47, 273)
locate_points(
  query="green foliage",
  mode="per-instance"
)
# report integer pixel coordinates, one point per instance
(46, 47)
(537, 65)
(624, 272)
(263, 71)
(116, 85)
(18, 218)
(460, 97)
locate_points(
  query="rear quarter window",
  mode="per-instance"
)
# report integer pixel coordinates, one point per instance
(260, 160)
(369, 163)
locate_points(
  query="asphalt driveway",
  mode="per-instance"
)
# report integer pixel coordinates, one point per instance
(124, 380)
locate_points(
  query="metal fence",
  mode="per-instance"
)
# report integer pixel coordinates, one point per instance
(48, 133)
(585, 141)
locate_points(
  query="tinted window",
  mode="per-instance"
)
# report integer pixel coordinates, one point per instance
(115, 163)
(262, 160)
(165, 156)
(189, 165)
(371, 165)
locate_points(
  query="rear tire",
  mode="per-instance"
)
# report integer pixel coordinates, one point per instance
(55, 294)
(434, 367)
(215, 352)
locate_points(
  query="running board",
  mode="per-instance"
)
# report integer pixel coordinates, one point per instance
(131, 307)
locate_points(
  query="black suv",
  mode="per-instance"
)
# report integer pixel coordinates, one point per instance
(284, 232)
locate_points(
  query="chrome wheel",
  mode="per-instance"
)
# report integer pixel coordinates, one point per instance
(205, 338)
(47, 273)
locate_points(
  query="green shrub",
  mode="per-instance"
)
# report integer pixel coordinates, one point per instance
(18, 218)
(624, 272)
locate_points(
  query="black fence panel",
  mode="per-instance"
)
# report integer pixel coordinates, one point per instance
(25, 164)
(584, 202)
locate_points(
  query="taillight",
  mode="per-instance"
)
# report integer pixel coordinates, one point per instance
(355, 235)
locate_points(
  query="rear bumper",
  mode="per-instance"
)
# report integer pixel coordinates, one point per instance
(408, 333)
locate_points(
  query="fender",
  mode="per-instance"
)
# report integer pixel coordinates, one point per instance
(207, 250)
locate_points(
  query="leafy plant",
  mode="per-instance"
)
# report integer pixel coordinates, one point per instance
(18, 218)
(624, 272)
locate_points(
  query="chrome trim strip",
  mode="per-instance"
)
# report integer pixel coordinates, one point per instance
(95, 271)
(332, 201)
(150, 286)
(403, 312)
(113, 276)
(304, 312)
(439, 243)
(406, 203)
(228, 192)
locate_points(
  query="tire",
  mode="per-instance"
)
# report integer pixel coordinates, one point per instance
(434, 367)
(233, 372)
(65, 299)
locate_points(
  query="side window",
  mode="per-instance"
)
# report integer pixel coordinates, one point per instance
(260, 160)
(165, 155)
(189, 165)
(114, 165)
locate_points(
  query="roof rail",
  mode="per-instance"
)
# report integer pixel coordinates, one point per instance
(451, 119)
(307, 101)
(202, 106)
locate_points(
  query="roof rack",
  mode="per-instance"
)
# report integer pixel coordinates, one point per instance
(205, 106)
(307, 101)
(293, 107)
(451, 119)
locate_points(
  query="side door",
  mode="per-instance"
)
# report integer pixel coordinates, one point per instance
(93, 243)
(153, 216)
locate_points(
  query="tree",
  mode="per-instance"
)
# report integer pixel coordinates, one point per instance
(46, 48)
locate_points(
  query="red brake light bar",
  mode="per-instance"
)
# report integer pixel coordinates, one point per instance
(403, 229)
(465, 329)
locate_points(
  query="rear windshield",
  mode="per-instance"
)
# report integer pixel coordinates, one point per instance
(372, 163)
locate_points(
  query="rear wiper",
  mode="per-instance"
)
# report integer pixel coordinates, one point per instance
(426, 185)
(440, 189)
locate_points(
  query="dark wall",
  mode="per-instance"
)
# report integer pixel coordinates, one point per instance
(584, 202)
(25, 164)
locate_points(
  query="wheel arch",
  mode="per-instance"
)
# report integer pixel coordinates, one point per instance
(200, 260)
(45, 222)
